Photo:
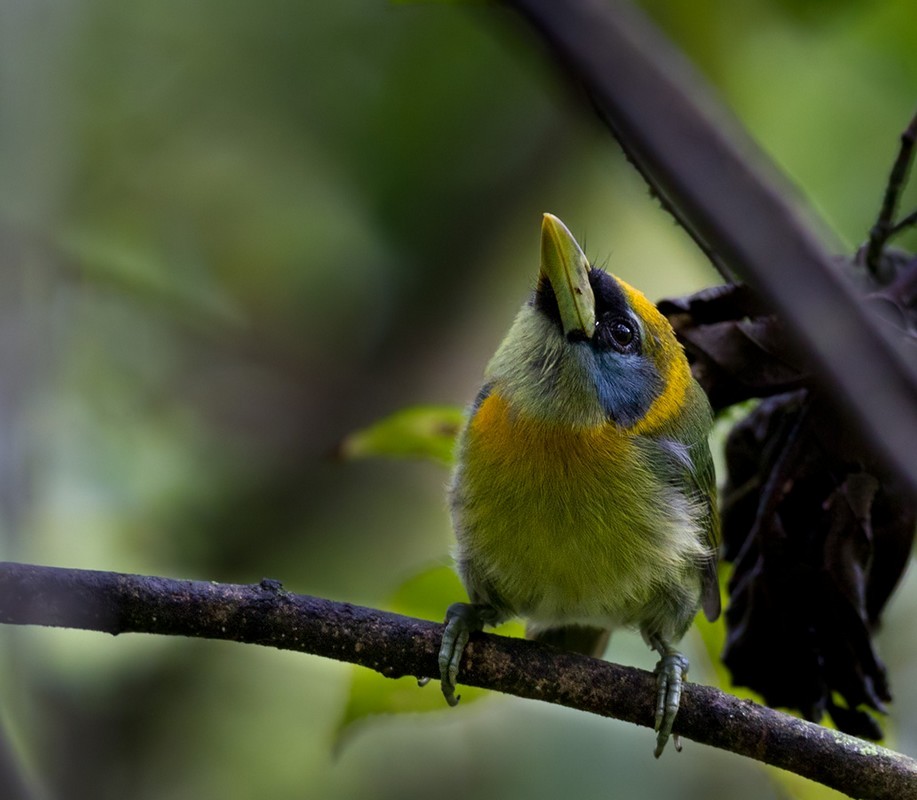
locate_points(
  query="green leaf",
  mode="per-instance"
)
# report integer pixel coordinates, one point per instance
(427, 595)
(418, 432)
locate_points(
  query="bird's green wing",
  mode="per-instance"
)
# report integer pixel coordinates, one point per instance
(704, 481)
(690, 457)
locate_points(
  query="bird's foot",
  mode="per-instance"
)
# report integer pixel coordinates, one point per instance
(670, 672)
(462, 619)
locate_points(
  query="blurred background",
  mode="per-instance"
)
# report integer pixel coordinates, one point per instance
(230, 234)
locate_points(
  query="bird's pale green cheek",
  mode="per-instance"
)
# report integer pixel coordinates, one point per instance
(543, 376)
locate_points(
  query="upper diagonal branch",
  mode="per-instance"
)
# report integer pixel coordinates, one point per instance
(730, 199)
(395, 645)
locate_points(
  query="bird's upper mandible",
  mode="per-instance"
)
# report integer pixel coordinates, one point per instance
(589, 349)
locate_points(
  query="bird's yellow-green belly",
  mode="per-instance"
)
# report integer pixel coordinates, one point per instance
(565, 525)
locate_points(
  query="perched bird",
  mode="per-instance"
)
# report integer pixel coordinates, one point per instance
(584, 497)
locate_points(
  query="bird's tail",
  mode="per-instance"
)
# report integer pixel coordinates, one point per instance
(575, 638)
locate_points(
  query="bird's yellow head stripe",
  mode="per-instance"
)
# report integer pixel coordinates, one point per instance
(661, 345)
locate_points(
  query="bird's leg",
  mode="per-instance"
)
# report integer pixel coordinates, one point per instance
(671, 672)
(462, 619)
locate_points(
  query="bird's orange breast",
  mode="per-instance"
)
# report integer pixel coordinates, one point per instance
(502, 435)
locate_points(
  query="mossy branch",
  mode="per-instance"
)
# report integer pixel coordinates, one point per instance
(395, 645)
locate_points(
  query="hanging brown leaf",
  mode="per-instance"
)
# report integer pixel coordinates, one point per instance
(817, 530)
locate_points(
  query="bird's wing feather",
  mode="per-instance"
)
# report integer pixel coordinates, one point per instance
(693, 463)
(704, 480)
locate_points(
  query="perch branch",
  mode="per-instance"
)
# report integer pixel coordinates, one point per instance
(394, 645)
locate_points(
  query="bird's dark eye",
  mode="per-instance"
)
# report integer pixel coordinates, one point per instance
(622, 332)
(618, 333)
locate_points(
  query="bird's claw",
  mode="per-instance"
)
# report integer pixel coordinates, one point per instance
(670, 672)
(462, 619)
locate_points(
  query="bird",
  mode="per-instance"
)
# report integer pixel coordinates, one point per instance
(583, 496)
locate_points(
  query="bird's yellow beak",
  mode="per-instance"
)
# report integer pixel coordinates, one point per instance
(567, 269)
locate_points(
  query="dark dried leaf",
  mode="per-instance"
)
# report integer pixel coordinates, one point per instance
(855, 722)
(717, 304)
(893, 537)
(817, 531)
(799, 523)
(896, 302)
(737, 350)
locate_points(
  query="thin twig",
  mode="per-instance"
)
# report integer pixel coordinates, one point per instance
(884, 227)
(905, 223)
(394, 645)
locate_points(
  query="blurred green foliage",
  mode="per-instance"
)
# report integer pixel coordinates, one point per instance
(231, 234)
(415, 432)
